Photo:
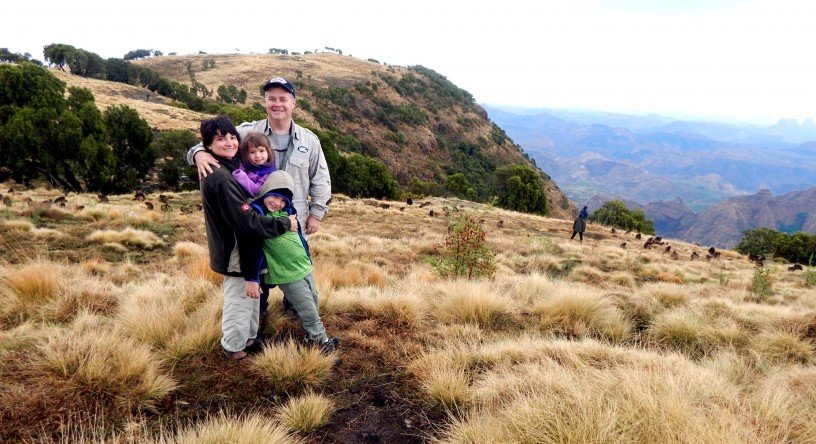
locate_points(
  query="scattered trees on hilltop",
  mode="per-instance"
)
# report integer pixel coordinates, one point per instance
(798, 247)
(615, 213)
(16, 57)
(137, 54)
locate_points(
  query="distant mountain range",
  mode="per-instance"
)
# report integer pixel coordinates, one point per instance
(655, 158)
(702, 182)
(723, 224)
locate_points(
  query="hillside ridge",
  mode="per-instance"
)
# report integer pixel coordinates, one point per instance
(412, 119)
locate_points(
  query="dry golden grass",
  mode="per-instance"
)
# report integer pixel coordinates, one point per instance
(582, 313)
(128, 236)
(26, 290)
(290, 367)
(331, 275)
(107, 362)
(474, 302)
(254, 428)
(568, 343)
(305, 413)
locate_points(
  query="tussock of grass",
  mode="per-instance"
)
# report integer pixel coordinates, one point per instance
(290, 367)
(199, 268)
(447, 387)
(306, 413)
(255, 428)
(29, 288)
(474, 302)
(588, 275)
(582, 313)
(669, 295)
(678, 330)
(187, 250)
(106, 362)
(549, 403)
(96, 267)
(355, 274)
(128, 236)
(178, 317)
(17, 225)
(125, 272)
(82, 294)
(785, 347)
(785, 406)
(624, 279)
(401, 306)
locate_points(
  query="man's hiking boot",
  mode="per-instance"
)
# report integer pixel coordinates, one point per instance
(328, 346)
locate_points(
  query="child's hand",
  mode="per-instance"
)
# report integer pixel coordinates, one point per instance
(293, 219)
(253, 289)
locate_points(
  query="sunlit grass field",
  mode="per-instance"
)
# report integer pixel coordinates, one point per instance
(110, 321)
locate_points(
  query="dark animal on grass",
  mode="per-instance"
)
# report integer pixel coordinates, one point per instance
(794, 267)
(638, 236)
(623, 245)
(139, 196)
(149, 205)
(163, 198)
(667, 249)
(424, 204)
(694, 255)
(409, 201)
(500, 224)
(60, 199)
(102, 198)
(613, 230)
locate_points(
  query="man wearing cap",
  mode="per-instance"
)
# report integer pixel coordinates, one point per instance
(298, 152)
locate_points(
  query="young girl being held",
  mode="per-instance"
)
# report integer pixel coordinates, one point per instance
(257, 161)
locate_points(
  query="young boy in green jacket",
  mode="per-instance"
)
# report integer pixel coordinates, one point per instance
(288, 263)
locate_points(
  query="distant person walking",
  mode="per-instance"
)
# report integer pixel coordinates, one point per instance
(579, 226)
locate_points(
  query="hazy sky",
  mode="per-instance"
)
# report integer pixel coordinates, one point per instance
(737, 60)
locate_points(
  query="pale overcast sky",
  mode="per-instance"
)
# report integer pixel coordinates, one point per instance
(737, 60)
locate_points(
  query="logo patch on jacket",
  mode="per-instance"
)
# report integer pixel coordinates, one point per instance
(245, 207)
(303, 149)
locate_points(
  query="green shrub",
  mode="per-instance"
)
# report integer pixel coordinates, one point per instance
(810, 278)
(761, 285)
(520, 188)
(615, 213)
(362, 176)
(465, 251)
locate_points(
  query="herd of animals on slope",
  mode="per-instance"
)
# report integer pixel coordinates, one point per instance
(650, 243)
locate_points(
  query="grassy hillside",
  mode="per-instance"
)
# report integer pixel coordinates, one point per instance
(413, 119)
(109, 322)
